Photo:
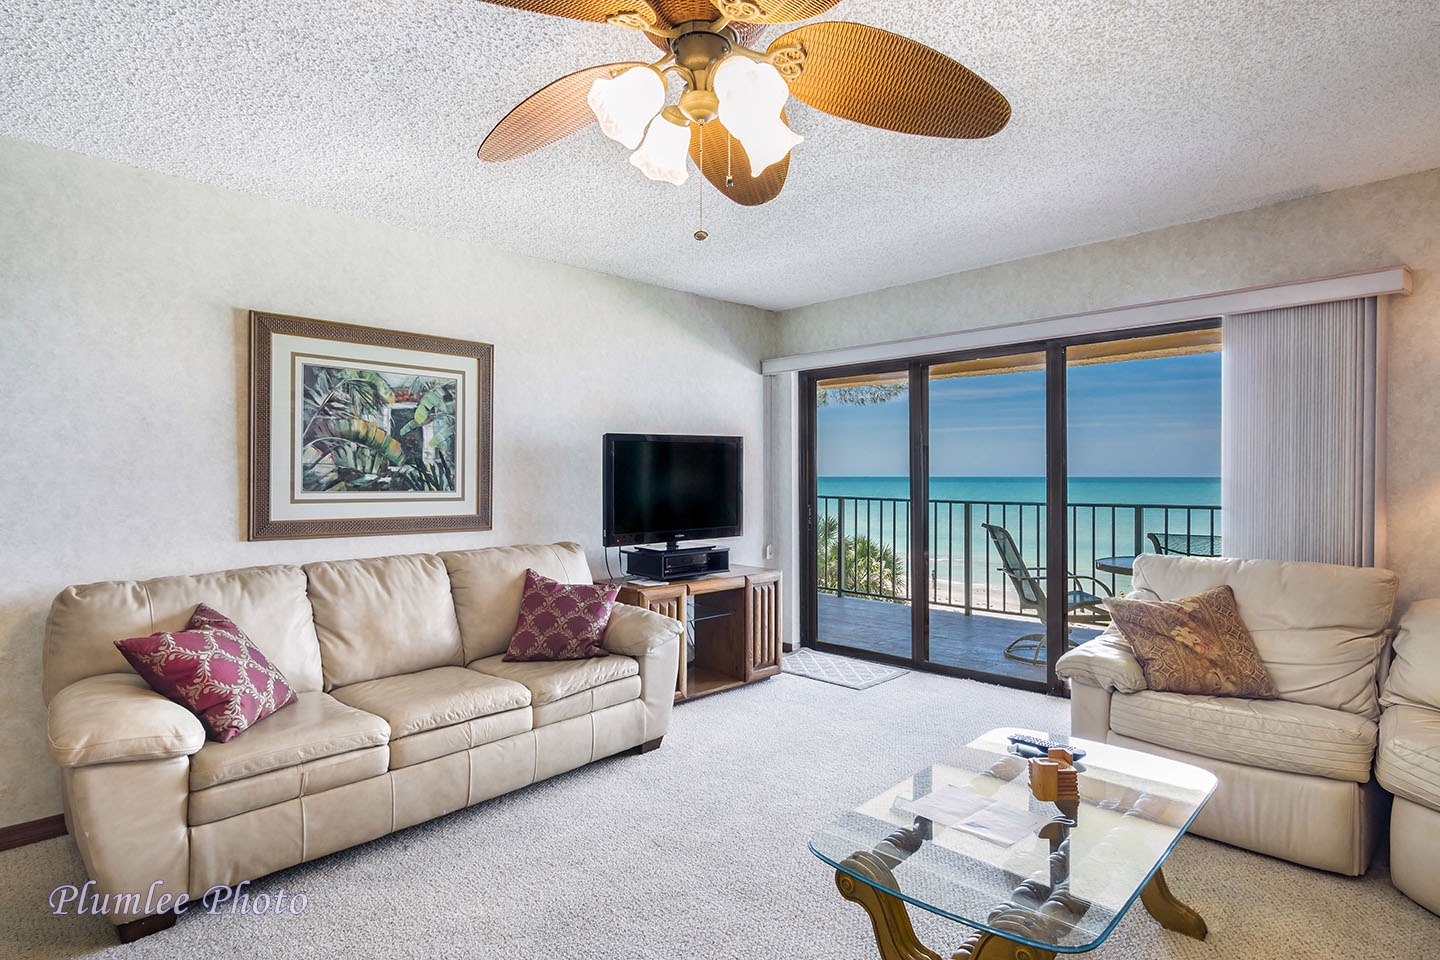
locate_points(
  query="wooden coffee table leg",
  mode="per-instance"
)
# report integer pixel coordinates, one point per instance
(1172, 914)
(991, 946)
(893, 933)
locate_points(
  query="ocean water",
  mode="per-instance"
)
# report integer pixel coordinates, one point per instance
(1107, 516)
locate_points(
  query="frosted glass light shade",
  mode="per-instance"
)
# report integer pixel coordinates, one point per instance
(662, 156)
(765, 142)
(752, 94)
(624, 105)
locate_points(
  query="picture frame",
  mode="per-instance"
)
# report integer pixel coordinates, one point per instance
(364, 431)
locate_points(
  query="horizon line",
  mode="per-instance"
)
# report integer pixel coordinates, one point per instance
(1005, 476)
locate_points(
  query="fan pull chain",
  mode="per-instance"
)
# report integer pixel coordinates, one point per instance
(701, 234)
(729, 155)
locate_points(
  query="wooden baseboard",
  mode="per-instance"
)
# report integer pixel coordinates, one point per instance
(33, 831)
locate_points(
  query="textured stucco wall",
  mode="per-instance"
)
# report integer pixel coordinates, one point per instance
(122, 318)
(1376, 225)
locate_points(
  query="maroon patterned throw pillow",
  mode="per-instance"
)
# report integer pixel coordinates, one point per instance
(561, 621)
(212, 668)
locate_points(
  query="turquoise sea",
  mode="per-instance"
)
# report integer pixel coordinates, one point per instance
(1106, 514)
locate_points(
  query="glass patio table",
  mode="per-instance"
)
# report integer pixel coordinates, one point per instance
(1049, 878)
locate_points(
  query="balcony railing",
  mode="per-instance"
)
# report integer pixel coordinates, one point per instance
(863, 545)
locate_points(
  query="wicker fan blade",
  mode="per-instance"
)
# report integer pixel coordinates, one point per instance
(682, 11)
(882, 79)
(594, 11)
(778, 11)
(748, 191)
(549, 114)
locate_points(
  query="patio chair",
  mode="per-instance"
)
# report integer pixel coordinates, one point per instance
(1080, 606)
(1186, 544)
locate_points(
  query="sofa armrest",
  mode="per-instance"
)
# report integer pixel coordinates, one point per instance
(654, 640)
(116, 716)
(635, 631)
(1106, 662)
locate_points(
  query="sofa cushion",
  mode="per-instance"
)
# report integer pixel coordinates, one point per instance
(459, 737)
(271, 603)
(1275, 734)
(1319, 627)
(1408, 762)
(213, 669)
(286, 783)
(1415, 673)
(316, 725)
(488, 584)
(415, 702)
(382, 617)
(561, 621)
(1193, 644)
(588, 701)
(561, 689)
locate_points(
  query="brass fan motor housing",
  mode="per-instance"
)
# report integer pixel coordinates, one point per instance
(699, 46)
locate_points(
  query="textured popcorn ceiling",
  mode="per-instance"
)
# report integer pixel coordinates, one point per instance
(1127, 116)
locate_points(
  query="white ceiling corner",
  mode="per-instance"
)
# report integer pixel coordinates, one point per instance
(1127, 117)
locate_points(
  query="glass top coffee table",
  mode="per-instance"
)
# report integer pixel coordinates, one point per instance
(1034, 878)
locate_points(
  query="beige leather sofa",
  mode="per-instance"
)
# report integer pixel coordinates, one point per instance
(406, 711)
(1408, 762)
(1295, 773)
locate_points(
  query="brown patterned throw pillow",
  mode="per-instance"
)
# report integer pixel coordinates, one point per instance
(1194, 644)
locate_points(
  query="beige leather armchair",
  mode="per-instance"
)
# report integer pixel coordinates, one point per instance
(1408, 762)
(1295, 773)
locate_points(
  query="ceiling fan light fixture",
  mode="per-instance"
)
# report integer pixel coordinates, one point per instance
(624, 105)
(766, 141)
(752, 94)
(662, 156)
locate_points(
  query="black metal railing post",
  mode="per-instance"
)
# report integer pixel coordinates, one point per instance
(969, 550)
(840, 550)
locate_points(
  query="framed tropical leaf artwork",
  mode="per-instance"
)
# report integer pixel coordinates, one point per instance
(358, 430)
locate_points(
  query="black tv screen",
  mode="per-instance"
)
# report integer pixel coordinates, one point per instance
(671, 488)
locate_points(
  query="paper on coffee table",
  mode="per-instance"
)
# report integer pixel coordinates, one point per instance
(974, 813)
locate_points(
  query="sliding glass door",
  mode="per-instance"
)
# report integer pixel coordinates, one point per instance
(986, 504)
(970, 513)
(1143, 434)
(862, 514)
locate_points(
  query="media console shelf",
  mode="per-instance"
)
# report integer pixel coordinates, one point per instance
(736, 624)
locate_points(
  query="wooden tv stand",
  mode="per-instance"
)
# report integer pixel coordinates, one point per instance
(736, 624)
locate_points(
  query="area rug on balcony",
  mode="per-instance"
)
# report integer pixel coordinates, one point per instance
(855, 674)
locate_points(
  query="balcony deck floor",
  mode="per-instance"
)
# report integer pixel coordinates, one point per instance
(974, 642)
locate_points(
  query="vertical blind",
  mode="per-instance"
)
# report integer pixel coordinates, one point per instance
(1299, 434)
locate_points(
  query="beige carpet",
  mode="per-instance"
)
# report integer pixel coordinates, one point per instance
(698, 851)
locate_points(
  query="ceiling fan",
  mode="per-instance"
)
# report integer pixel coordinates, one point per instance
(730, 116)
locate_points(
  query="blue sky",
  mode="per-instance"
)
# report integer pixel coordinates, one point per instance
(1138, 418)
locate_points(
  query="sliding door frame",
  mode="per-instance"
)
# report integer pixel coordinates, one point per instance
(1056, 494)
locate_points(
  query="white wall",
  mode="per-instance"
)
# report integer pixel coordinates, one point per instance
(1376, 225)
(122, 324)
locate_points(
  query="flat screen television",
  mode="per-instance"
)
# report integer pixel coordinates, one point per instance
(671, 488)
